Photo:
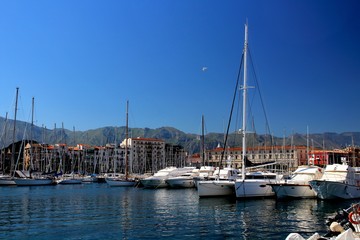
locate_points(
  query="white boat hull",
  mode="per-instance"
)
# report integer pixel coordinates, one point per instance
(33, 182)
(70, 181)
(289, 190)
(180, 182)
(154, 183)
(253, 188)
(114, 182)
(216, 188)
(335, 190)
(6, 181)
(90, 180)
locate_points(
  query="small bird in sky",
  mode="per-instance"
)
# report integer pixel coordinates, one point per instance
(204, 69)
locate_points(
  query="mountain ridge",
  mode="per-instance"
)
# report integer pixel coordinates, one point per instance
(190, 141)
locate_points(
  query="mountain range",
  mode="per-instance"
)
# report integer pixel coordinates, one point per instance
(189, 141)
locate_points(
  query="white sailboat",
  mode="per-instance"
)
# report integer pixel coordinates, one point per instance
(33, 179)
(205, 171)
(298, 185)
(251, 184)
(120, 180)
(7, 179)
(29, 178)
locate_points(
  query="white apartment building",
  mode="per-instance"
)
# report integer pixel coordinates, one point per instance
(287, 157)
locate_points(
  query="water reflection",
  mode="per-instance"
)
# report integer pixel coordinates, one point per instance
(95, 211)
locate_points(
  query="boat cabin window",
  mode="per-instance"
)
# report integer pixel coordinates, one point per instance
(261, 177)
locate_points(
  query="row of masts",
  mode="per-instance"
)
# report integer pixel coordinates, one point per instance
(13, 163)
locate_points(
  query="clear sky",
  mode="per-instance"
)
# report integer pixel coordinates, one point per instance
(81, 60)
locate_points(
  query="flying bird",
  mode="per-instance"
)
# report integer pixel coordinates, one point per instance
(204, 69)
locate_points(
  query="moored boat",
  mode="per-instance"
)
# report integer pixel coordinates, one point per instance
(340, 181)
(256, 184)
(298, 185)
(119, 180)
(158, 180)
(204, 173)
(185, 180)
(34, 179)
(71, 178)
(6, 180)
(92, 178)
(223, 185)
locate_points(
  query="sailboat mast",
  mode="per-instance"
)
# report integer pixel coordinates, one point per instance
(31, 134)
(202, 140)
(12, 170)
(126, 141)
(244, 88)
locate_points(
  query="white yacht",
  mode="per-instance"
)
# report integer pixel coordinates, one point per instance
(158, 180)
(91, 178)
(298, 185)
(256, 184)
(119, 180)
(185, 180)
(70, 178)
(340, 181)
(223, 185)
(205, 172)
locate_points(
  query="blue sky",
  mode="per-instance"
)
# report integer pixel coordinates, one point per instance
(81, 60)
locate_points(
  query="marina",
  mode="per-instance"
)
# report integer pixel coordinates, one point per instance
(98, 211)
(240, 180)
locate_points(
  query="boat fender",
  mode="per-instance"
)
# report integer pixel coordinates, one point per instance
(336, 227)
(354, 219)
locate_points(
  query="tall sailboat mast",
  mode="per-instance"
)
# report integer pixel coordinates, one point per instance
(12, 170)
(31, 134)
(126, 141)
(244, 88)
(202, 141)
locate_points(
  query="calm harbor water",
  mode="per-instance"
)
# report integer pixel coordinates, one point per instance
(97, 211)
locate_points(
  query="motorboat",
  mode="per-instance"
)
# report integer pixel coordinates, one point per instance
(92, 178)
(158, 180)
(256, 184)
(339, 181)
(222, 185)
(71, 178)
(297, 186)
(119, 180)
(185, 180)
(204, 173)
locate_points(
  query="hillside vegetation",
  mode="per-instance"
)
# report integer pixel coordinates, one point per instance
(190, 142)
